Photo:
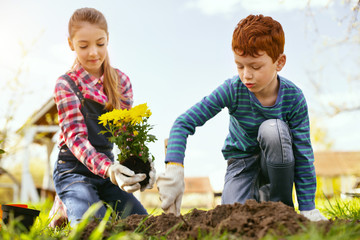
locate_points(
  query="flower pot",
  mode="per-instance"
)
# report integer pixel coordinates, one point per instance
(26, 216)
(138, 166)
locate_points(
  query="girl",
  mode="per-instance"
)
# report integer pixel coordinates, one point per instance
(85, 171)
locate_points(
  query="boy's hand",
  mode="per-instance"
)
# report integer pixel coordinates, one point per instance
(171, 187)
(152, 175)
(125, 178)
(313, 215)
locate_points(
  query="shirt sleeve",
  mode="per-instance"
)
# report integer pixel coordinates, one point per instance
(196, 116)
(73, 127)
(305, 176)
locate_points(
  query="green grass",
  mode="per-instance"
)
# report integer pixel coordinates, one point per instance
(345, 212)
(345, 209)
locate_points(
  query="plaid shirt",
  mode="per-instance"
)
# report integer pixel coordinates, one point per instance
(72, 124)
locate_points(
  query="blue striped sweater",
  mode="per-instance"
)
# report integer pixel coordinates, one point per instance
(246, 115)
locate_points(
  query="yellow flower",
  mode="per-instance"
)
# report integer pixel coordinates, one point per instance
(135, 133)
(138, 113)
(148, 113)
(104, 118)
(119, 117)
(116, 117)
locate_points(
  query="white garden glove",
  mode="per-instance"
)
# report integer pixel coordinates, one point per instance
(171, 187)
(152, 175)
(125, 178)
(313, 215)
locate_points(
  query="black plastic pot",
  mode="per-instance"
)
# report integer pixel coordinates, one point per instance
(26, 216)
(138, 166)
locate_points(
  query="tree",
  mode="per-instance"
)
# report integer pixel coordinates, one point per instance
(14, 92)
(345, 58)
(319, 136)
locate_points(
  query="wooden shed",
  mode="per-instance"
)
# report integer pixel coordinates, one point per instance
(39, 128)
(337, 172)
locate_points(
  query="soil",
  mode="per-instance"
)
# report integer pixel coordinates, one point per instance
(251, 220)
(138, 166)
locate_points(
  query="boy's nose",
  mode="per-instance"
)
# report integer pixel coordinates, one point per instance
(247, 73)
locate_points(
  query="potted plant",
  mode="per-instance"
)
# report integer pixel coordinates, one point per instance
(129, 130)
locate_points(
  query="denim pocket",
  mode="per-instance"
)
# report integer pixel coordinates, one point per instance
(235, 168)
(66, 164)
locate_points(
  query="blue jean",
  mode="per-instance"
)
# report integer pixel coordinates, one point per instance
(79, 188)
(268, 175)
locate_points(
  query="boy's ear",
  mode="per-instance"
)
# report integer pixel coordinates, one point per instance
(71, 44)
(280, 62)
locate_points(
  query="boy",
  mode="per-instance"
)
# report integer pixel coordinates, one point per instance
(268, 147)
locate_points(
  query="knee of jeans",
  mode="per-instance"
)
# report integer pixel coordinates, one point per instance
(269, 130)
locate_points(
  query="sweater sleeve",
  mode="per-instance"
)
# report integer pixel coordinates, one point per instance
(305, 177)
(196, 116)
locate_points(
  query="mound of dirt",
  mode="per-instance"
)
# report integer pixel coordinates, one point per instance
(251, 220)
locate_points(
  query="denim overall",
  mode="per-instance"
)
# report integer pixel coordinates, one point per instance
(76, 185)
(266, 176)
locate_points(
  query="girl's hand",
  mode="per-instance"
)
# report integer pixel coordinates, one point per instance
(125, 178)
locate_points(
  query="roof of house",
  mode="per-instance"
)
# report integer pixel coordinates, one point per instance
(46, 115)
(331, 164)
(197, 185)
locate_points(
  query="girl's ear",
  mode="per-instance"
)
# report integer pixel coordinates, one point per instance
(71, 45)
(280, 62)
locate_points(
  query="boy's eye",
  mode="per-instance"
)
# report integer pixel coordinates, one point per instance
(101, 44)
(83, 47)
(240, 67)
(256, 67)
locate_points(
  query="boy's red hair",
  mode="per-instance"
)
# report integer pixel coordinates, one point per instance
(258, 33)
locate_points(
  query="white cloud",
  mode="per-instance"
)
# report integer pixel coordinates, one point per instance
(216, 7)
(213, 7)
(343, 130)
(282, 5)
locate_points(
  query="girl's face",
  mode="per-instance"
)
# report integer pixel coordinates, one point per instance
(90, 44)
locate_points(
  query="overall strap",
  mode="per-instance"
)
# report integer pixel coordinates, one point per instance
(91, 110)
(74, 87)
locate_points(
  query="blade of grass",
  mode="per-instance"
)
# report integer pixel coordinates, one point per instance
(76, 233)
(99, 230)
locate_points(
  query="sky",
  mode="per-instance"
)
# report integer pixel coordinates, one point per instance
(177, 52)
